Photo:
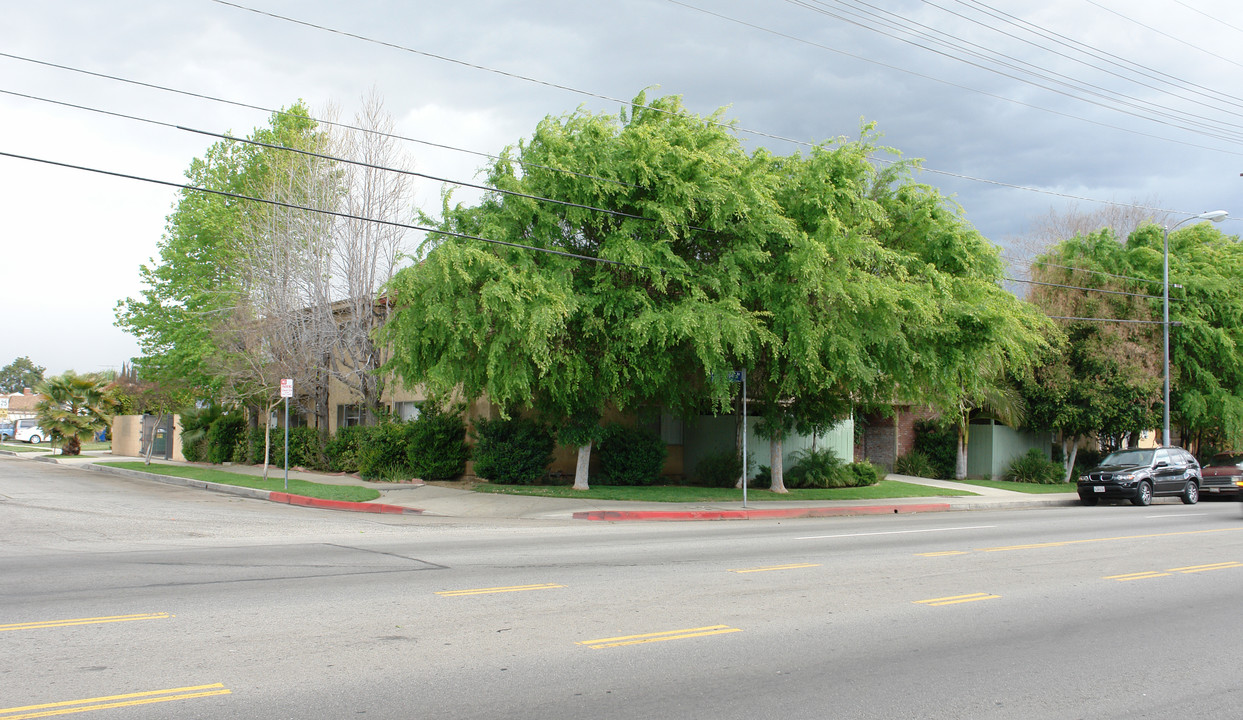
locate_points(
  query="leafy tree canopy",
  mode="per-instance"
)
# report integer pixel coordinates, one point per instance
(196, 280)
(20, 374)
(830, 281)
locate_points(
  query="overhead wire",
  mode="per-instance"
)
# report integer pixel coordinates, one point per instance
(985, 93)
(1103, 55)
(1106, 99)
(1162, 33)
(350, 161)
(485, 68)
(335, 213)
(454, 234)
(283, 113)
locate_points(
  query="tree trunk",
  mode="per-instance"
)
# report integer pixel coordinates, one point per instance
(580, 468)
(1070, 455)
(159, 420)
(960, 469)
(774, 450)
(267, 444)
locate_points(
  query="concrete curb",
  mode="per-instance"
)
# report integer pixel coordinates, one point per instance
(749, 514)
(255, 493)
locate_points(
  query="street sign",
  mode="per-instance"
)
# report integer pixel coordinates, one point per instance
(735, 376)
(287, 388)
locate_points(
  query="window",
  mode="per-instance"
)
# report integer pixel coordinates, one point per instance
(406, 411)
(349, 415)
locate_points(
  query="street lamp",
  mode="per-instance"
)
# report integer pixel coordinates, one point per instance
(1215, 216)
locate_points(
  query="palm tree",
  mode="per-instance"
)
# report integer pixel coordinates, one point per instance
(73, 407)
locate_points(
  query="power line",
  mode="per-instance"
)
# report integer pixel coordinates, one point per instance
(283, 113)
(1164, 34)
(1109, 100)
(942, 81)
(301, 151)
(517, 76)
(1117, 320)
(433, 231)
(1032, 263)
(335, 213)
(1087, 289)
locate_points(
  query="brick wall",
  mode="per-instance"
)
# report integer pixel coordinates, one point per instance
(876, 443)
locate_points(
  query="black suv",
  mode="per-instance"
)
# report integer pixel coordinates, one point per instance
(1139, 475)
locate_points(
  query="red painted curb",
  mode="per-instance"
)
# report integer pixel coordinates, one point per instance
(288, 499)
(757, 514)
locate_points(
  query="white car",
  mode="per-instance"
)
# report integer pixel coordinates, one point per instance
(28, 430)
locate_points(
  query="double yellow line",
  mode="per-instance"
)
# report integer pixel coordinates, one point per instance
(956, 599)
(112, 701)
(655, 637)
(1149, 574)
(488, 591)
(84, 621)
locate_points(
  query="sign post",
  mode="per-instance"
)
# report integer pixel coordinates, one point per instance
(286, 393)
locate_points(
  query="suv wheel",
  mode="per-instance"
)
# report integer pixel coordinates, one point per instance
(35, 440)
(1144, 495)
(1191, 493)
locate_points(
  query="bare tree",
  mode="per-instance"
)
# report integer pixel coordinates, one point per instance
(311, 272)
(366, 254)
(1057, 225)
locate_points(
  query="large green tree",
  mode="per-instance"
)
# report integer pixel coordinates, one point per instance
(193, 287)
(1111, 385)
(831, 282)
(651, 314)
(20, 374)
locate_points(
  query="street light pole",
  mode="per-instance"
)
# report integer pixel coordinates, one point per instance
(1215, 216)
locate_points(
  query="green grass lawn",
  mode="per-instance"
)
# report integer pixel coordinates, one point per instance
(1033, 488)
(27, 448)
(276, 481)
(673, 493)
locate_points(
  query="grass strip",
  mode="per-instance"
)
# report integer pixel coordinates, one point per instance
(350, 493)
(680, 494)
(24, 448)
(1030, 488)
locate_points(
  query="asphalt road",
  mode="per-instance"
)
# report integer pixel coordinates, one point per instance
(127, 599)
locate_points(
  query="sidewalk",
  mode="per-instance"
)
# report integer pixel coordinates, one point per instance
(452, 502)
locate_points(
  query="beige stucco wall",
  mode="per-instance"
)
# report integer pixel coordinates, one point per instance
(127, 436)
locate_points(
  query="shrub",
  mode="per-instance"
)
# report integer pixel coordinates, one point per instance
(939, 443)
(382, 452)
(342, 449)
(865, 473)
(306, 448)
(817, 469)
(721, 469)
(194, 425)
(915, 464)
(512, 452)
(1032, 467)
(226, 438)
(436, 444)
(630, 456)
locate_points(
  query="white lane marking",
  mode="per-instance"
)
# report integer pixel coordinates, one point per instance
(897, 532)
(1173, 515)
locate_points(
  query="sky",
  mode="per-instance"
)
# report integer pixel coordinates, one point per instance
(1017, 109)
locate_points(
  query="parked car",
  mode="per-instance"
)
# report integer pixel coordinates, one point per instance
(6, 430)
(28, 430)
(1222, 473)
(1139, 475)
